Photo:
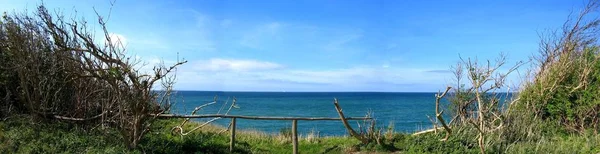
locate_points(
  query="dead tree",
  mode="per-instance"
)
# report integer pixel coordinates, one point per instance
(485, 81)
(347, 125)
(438, 113)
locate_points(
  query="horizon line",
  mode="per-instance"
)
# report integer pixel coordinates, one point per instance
(321, 91)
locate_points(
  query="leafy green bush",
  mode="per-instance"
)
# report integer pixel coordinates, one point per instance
(576, 101)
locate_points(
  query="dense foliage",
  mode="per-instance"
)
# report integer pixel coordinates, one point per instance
(574, 101)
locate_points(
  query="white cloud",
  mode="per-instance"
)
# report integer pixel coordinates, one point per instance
(237, 65)
(252, 75)
(117, 39)
(355, 75)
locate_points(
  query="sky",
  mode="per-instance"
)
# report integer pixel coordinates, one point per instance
(319, 45)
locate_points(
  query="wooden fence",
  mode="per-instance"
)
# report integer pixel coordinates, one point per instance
(293, 119)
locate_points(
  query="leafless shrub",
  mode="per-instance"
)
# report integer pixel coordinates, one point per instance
(62, 72)
(478, 103)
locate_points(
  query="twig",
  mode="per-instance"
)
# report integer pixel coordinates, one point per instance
(180, 127)
(78, 119)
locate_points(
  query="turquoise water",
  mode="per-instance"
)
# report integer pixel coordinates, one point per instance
(406, 110)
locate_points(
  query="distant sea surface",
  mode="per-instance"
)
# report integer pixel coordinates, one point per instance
(407, 111)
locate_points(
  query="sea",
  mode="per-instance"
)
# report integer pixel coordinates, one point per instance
(406, 111)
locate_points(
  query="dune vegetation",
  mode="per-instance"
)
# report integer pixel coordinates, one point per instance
(64, 90)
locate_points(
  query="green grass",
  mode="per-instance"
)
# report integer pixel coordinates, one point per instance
(208, 140)
(23, 135)
(559, 144)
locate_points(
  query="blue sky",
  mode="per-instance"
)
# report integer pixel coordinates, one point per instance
(403, 46)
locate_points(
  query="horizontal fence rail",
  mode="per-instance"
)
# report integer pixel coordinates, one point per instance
(258, 117)
(234, 117)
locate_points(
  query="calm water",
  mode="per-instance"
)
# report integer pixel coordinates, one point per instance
(406, 110)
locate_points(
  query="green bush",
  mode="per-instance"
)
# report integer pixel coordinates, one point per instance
(568, 91)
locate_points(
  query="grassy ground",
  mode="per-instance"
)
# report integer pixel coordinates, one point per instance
(208, 140)
(22, 135)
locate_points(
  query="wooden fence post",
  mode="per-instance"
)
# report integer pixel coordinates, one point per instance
(295, 136)
(232, 140)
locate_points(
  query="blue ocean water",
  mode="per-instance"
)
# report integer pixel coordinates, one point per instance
(407, 111)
